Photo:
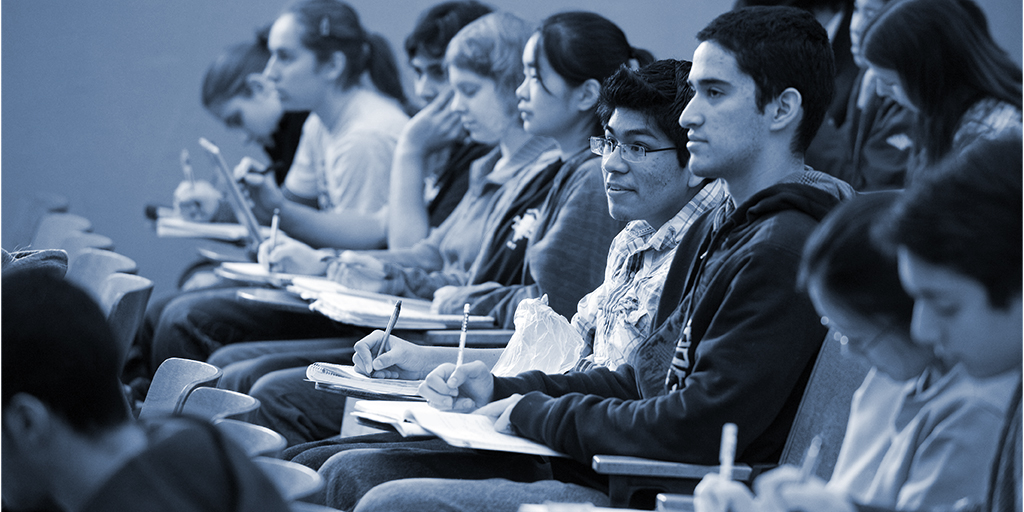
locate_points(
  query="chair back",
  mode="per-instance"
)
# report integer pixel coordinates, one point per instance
(173, 381)
(255, 439)
(123, 297)
(55, 227)
(19, 229)
(825, 407)
(93, 265)
(293, 480)
(214, 403)
(75, 243)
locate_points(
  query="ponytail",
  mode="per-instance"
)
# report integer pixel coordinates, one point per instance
(641, 56)
(380, 62)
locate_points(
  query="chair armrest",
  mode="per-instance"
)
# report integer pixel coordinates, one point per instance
(636, 466)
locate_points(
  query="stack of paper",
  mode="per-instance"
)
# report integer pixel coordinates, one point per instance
(346, 378)
(372, 312)
(457, 429)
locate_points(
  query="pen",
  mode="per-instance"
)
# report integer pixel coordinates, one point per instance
(727, 453)
(462, 336)
(387, 332)
(186, 167)
(273, 229)
(810, 459)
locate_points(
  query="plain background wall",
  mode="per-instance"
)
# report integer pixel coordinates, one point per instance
(99, 98)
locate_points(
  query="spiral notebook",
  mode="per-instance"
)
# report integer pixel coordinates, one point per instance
(345, 378)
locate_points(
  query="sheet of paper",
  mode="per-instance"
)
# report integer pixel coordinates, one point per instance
(475, 431)
(396, 414)
(370, 312)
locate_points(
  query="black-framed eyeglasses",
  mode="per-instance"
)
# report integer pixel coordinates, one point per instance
(630, 152)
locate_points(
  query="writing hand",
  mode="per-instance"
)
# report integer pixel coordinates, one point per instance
(358, 271)
(460, 389)
(717, 494)
(198, 202)
(784, 489)
(291, 256)
(402, 360)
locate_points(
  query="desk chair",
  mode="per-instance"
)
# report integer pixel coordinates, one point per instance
(55, 227)
(173, 381)
(93, 265)
(293, 480)
(824, 410)
(214, 403)
(123, 298)
(75, 243)
(19, 230)
(255, 439)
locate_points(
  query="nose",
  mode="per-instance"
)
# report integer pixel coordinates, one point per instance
(924, 326)
(689, 117)
(424, 88)
(270, 71)
(613, 162)
(458, 104)
(523, 91)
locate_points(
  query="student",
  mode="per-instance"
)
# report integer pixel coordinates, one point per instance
(324, 61)
(755, 253)
(868, 144)
(964, 87)
(69, 441)
(640, 107)
(430, 170)
(194, 327)
(963, 273)
(904, 445)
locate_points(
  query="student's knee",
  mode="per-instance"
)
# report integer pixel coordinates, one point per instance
(413, 494)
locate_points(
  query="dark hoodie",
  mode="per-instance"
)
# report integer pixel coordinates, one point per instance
(754, 339)
(189, 467)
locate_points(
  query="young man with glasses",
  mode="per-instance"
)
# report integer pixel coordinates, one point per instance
(745, 339)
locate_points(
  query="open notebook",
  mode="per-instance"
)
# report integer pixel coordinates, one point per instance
(456, 429)
(345, 378)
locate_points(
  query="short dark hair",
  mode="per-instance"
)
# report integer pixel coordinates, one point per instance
(780, 47)
(58, 347)
(439, 24)
(658, 90)
(846, 261)
(965, 215)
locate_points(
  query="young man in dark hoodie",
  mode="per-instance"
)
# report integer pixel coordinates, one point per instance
(745, 339)
(69, 441)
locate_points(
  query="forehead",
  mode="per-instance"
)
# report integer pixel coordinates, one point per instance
(424, 63)
(457, 75)
(628, 123)
(530, 50)
(713, 63)
(284, 33)
(923, 279)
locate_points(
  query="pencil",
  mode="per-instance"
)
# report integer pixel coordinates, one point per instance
(186, 167)
(383, 347)
(810, 459)
(273, 229)
(462, 336)
(727, 453)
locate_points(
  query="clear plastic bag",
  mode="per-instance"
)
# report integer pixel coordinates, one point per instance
(544, 340)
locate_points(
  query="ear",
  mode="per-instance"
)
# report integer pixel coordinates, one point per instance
(28, 420)
(334, 67)
(786, 110)
(587, 94)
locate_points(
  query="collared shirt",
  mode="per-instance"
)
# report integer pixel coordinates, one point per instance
(617, 316)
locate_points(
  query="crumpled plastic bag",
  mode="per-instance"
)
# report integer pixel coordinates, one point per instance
(544, 340)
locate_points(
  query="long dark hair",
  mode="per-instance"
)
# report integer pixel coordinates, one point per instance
(333, 26)
(946, 60)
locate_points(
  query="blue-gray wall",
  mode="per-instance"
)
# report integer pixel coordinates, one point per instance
(99, 98)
